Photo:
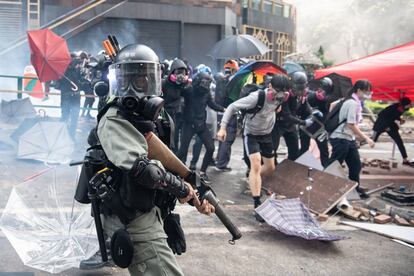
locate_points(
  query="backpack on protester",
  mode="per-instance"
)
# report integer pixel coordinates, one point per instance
(246, 90)
(332, 119)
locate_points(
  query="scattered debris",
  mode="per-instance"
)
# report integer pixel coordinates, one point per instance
(394, 231)
(403, 243)
(401, 221)
(401, 196)
(321, 217)
(382, 219)
(291, 179)
(379, 188)
(291, 217)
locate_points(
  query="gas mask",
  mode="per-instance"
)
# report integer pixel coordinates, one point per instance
(179, 79)
(149, 106)
(179, 76)
(138, 87)
(276, 96)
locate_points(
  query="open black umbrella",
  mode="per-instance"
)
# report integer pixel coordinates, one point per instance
(341, 86)
(238, 46)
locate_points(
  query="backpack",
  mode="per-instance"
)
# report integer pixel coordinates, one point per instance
(246, 90)
(332, 119)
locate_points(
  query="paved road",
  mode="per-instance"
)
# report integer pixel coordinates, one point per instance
(261, 251)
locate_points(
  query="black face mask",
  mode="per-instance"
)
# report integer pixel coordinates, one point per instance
(149, 107)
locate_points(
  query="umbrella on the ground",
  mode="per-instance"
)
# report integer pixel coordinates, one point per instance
(16, 110)
(292, 67)
(307, 58)
(238, 46)
(46, 227)
(46, 141)
(291, 217)
(253, 72)
(27, 124)
(341, 86)
(49, 55)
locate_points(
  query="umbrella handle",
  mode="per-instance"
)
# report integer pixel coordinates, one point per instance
(74, 86)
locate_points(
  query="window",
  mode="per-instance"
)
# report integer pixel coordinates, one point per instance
(256, 4)
(267, 6)
(286, 11)
(278, 9)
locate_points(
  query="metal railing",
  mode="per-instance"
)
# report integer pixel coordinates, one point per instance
(20, 90)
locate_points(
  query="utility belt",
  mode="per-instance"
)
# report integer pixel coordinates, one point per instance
(115, 191)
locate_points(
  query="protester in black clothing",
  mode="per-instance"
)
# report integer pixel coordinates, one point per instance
(70, 95)
(287, 121)
(195, 103)
(173, 87)
(310, 102)
(386, 123)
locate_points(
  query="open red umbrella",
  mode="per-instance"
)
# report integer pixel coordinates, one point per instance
(49, 55)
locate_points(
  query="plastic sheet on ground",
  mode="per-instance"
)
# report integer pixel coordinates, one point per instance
(49, 230)
(291, 217)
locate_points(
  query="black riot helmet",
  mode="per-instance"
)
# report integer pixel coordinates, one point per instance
(135, 78)
(327, 85)
(202, 80)
(299, 81)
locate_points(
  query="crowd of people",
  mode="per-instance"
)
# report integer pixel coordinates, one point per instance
(197, 104)
(140, 97)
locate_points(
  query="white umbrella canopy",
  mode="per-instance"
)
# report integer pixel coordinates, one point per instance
(49, 230)
(46, 141)
(14, 111)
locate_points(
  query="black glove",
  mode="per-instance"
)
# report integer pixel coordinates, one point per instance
(176, 238)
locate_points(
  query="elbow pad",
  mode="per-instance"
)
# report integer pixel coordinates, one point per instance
(150, 175)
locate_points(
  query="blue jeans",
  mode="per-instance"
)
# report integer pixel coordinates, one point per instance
(345, 150)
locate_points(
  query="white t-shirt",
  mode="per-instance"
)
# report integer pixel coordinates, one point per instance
(349, 112)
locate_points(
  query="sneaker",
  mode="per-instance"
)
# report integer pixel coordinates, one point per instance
(205, 178)
(362, 193)
(225, 169)
(213, 163)
(259, 218)
(408, 163)
(192, 167)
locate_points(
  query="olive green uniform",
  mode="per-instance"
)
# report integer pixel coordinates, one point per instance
(123, 144)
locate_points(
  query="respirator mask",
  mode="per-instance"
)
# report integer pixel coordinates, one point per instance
(138, 87)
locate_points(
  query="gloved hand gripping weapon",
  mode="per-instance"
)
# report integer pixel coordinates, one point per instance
(159, 151)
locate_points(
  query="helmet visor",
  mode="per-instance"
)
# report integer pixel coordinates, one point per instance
(139, 79)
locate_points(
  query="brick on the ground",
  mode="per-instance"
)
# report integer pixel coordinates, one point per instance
(401, 221)
(322, 217)
(382, 219)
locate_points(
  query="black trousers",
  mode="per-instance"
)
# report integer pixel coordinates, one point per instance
(70, 106)
(87, 105)
(322, 146)
(204, 134)
(291, 140)
(345, 150)
(395, 135)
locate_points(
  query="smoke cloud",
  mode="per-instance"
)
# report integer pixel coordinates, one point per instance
(349, 29)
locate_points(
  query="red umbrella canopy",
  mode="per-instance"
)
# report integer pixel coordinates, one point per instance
(49, 54)
(391, 72)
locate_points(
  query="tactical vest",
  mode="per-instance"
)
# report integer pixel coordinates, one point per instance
(129, 197)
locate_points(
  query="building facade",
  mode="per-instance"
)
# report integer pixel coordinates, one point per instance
(176, 28)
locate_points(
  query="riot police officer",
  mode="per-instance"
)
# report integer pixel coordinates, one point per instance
(135, 87)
